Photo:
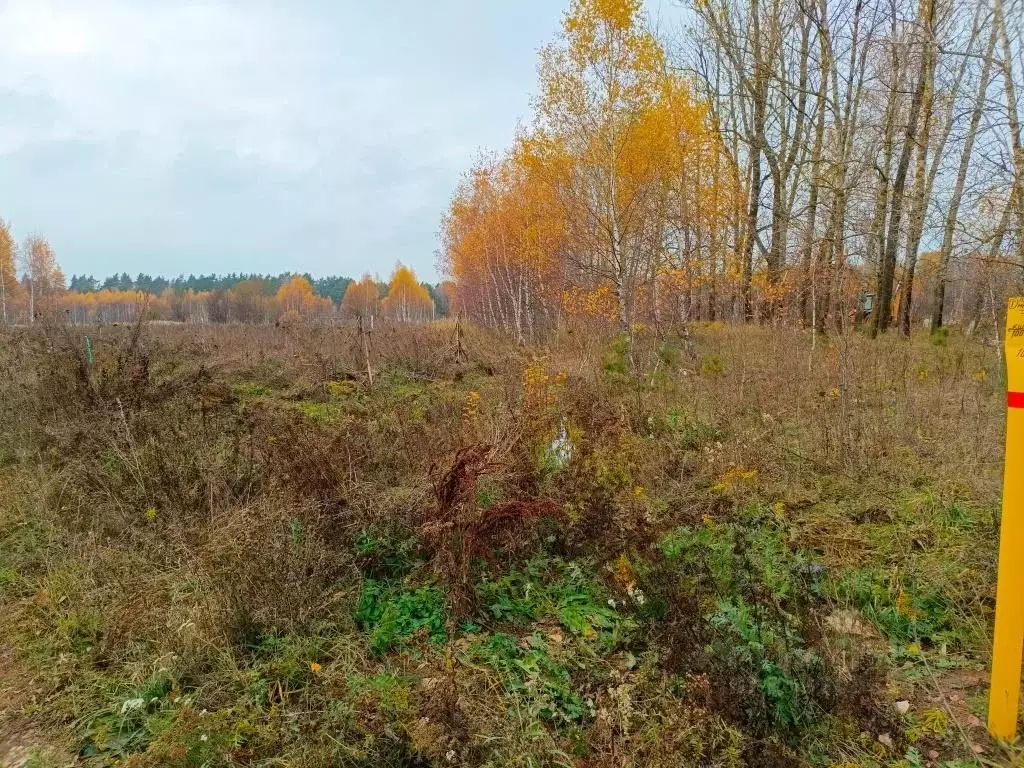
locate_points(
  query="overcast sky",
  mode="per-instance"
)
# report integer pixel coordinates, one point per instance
(176, 136)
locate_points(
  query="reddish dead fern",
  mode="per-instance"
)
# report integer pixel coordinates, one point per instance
(460, 531)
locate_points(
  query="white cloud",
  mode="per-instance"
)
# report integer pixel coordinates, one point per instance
(168, 73)
(253, 134)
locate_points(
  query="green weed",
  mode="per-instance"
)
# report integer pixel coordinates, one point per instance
(324, 413)
(391, 614)
(130, 724)
(902, 610)
(388, 552)
(752, 579)
(688, 434)
(250, 390)
(940, 338)
(555, 590)
(386, 692)
(529, 672)
(341, 389)
(712, 365)
(773, 652)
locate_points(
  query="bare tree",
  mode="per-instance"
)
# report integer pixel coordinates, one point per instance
(887, 270)
(853, 126)
(966, 153)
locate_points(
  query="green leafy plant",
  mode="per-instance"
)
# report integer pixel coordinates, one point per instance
(712, 365)
(940, 337)
(689, 434)
(391, 615)
(529, 672)
(251, 390)
(387, 692)
(773, 652)
(552, 589)
(749, 574)
(387, 551)
(130, 725)
(903, 610)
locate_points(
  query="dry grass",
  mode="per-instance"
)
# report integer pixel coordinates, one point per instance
(745, 555)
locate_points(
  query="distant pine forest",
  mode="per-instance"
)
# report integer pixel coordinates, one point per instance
(332, 287)
(43, 292)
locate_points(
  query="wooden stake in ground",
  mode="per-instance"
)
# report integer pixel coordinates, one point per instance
(1008, 643)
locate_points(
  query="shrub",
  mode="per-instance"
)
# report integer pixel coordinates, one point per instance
(751, 583)
(712, 365)
(615, 361)
(460, 530)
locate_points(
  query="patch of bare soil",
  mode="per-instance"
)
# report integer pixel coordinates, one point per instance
(22, 743)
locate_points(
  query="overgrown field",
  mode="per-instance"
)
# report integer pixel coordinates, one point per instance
(227, 546)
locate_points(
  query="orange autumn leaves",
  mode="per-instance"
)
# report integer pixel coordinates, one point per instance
(501, 240)
(407, 299)
(41, 283)
(248, 301)
(361, 299)
(619, 188)
(297, 296)
(11, 291)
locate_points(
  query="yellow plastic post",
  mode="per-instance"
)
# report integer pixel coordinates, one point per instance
(1008, 643)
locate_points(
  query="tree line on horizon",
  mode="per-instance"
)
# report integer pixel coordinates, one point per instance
(32, 286)
(332, 287)
(772, 160)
